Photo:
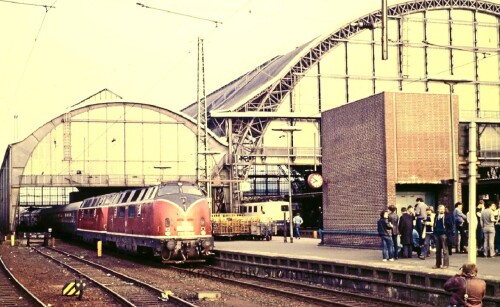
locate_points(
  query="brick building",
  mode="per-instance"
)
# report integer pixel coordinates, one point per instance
(388, 148)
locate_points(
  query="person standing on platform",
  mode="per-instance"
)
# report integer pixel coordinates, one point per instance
(429, 236)
(488, 223)
(394, 220)
(479, 229)
(460, 218)
(450, 231)
(442, 259)
(297, 221)
(496, 214)
(465, 288)
(420, 217)
(384, 229)
(405, 228)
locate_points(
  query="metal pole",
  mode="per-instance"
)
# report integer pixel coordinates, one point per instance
(472, 192)
(452, 145)
(290, 211)
(385, 39)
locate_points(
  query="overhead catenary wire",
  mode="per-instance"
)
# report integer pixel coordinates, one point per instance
(180, 14)
(47, 8)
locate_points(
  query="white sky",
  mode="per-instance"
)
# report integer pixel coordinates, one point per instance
(50, 61)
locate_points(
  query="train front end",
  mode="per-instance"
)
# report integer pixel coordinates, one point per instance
(185, 218)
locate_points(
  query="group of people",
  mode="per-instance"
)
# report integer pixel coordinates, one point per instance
(418, 228)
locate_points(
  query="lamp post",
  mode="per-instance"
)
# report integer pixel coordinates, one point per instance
(162, 169)
(288, 131)
(451, 82)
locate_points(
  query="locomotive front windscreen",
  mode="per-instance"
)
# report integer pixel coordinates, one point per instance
(170, 189)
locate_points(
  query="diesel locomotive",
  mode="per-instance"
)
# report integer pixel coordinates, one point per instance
(170, 220)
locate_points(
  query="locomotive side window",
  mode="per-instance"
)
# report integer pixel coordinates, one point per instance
(121, 211)
(131, 211)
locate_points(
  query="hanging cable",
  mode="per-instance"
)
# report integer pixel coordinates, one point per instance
(217, 23)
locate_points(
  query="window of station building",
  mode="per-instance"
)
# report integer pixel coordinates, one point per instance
(121, 211)
(254, 208)
(131, 211)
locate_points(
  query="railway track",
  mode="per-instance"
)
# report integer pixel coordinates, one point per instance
(13, 293)
(301, 291)
(125, 289)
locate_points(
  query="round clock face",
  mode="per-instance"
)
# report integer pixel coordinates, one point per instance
(315, 180)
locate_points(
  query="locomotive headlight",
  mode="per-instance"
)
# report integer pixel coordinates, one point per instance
(203, 232)
(171, 245)
(167, 231)
(202, 222)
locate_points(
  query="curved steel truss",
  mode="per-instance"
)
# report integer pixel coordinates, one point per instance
(247, 132)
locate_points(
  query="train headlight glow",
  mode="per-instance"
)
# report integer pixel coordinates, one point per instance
(171, 245)
(167, 231)
(203, 232)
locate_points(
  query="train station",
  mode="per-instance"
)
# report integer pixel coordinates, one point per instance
(398, 104)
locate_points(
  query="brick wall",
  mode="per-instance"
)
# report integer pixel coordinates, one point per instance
(374, 145)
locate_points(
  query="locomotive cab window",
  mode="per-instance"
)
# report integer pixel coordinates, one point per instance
(131, 211)
(121, 211)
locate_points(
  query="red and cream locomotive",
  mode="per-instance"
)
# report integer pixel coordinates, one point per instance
(171, 220)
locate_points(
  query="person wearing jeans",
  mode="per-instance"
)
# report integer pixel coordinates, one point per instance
(442, 259)
(384, 229)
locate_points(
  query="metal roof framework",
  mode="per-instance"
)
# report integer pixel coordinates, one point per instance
(247, 132)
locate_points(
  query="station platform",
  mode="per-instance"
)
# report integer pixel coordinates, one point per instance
(308, 248)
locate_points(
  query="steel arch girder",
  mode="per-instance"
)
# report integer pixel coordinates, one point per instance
(270, 99)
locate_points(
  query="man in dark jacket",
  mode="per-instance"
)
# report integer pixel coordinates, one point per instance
(394, 220)
(384, 229)
(440, 227)
(405, 228)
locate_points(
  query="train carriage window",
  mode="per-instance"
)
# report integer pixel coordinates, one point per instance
(121, 211)
(131, 211)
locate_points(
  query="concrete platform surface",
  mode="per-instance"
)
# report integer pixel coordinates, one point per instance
(307, 248)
